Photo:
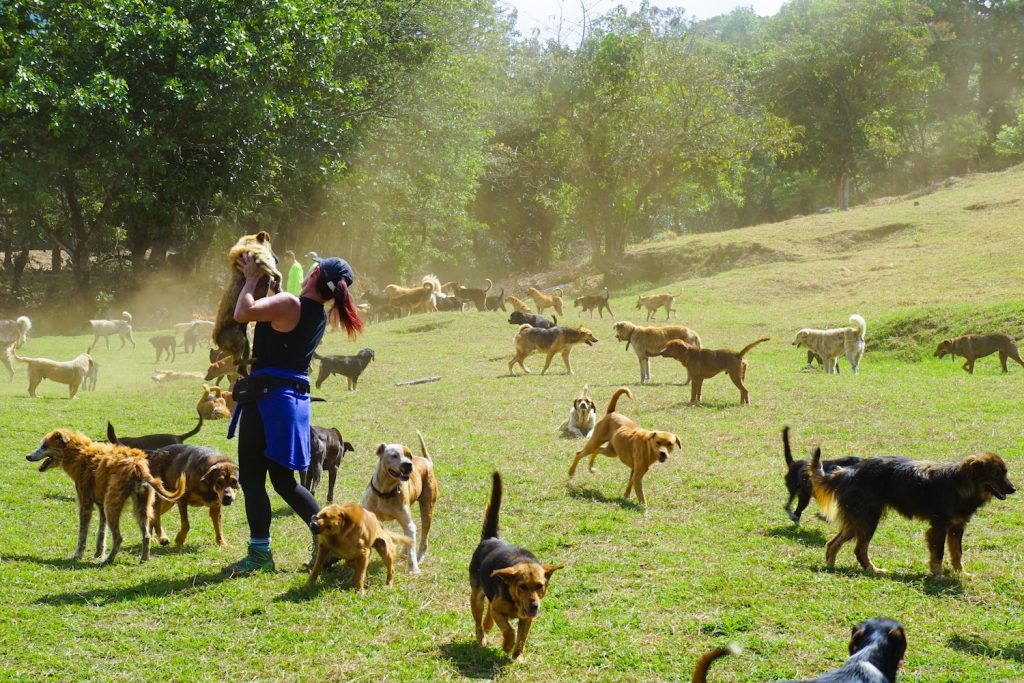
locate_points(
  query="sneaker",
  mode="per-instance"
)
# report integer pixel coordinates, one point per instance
(255, 561)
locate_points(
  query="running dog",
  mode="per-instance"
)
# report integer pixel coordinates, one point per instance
(475, 294)
(520, 318)
(151, 442)
(228, 334)
(649, 341)
(400, 480)
(71, 372)
(944, 494)
(543, 300)
(506, 582)
(165, 346)
(582, 417)
(106, 476)
(798, 482)
(326, 449)
(106, 328)
(592, 301)
(211, 481)
(831, 344)
(349, 366)
(702, 364)
(349, 532)
(975, 346)
(652, 302)
(637, 448)
(551, 341)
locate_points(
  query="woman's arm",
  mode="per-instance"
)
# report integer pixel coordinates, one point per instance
(281, 310)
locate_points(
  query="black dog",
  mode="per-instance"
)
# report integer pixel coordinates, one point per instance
(151, 442)
(164, 344)
(450, 303)
(876, 648)
(592, 301)
(495, 302)
(327, 449)
(813, 358)
(798, 483)
(520, 318)
(350, 366)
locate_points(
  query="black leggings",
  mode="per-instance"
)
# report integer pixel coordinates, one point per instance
(253, 467)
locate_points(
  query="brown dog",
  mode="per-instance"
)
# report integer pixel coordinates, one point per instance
(591, 301)
(71, 372)
(212, 404)
(165, 345)
(518, 304)
(211, 481)
(475, 294)
(704, 363)
(417, 299)
(975, 346)
(229, 334)
(637, 448)
(151, 442)
(326, 451)
(105, 475)
(546, 300)
(649, 341)
(400, 480)
(551, 341)
(349, 532)
(225, 368)
(652, 302)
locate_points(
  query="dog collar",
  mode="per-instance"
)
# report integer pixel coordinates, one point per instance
(381, 493)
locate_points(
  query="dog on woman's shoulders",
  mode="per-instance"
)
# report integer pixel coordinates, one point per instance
(582, 417)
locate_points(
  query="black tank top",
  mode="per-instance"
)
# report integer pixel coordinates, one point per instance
(290, 350)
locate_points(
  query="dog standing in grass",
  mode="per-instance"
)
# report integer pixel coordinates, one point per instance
(702, 364)
(71, 372)
(552, 341)
(830, 345)
(105, 328)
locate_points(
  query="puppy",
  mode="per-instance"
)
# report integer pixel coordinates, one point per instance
(833, 343)
(652, 302)
(543, 300)
(105, 475)
(518, 304)
(637, 448)
(211, 481)
(945, 495)
(975, 346)
(327, 450)
(400, 480)
(592, 301)
(877, 647)
(552, 341)
(506, 582)
(164, 344)
(495, 302)
(228, 334)
(798, 482)
(702, 364)
(212, 405)
(648, 341)
(520, 318)
(71, 372)
(349, 366)
(105, 328)
(349, 532)
(151, 442)
(582, 417)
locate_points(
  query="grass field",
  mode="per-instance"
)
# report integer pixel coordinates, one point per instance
(714, 560)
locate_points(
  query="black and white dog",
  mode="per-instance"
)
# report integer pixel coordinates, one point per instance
(582, 417)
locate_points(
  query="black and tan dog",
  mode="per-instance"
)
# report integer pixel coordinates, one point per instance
(532, 319)
(211, 481)
(349, 366)
(326, 449)
(637, 448)
(798, 482)
(165, 345)
(975, 346)
(593, 301)
(702, 364)
(349, 532)
(151, 442)
(475, 294)
(944, 494)
(506, 582)
(551, 341)
(877, 647)
(106, 475)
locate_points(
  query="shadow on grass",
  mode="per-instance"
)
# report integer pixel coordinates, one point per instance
(950, 586)
(587, 493)
(58, 562)
(156, 587)
(425, 327)
(978, 647)
(474, 661)
(338, 576)
(812, 538)
(708, 405)
(62, 497)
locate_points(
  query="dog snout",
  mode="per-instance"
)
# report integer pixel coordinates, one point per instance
(227, 498)
(314, 524)
(662, 456)
(406, 468)
(533, 608)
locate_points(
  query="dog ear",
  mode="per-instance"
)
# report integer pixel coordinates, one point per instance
(60, 436)
(508, 574)
(550, 569)
(856, 636)
(347, 447)
(408, 453)
(380, 449)
(678, 442)
(898, 635)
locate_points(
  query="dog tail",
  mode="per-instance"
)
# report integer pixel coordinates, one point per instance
(111, 436)
(423, 446)
(127, 316)
(182, 437)
(857, 323)
(398, 539)
(489, 285)
(158, 486)
(554, 318)
(821, 486)
(1018, 338)
(700, 672)
(558, 290)
(785, 446)
(746, 349)
(24, 325)
(490, 529)
(615, 398)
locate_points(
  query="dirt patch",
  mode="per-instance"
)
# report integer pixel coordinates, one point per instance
(847, 239)
(696, 259)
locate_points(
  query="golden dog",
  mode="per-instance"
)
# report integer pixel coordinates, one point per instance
(349, 533)
(212, 404)
(652, 302)
(518, 304)
(975, 346)
(228, 334)
(71, 372)
(225, 368)
(546, 300)
(637, 448)
(649, 341)
(551, 341)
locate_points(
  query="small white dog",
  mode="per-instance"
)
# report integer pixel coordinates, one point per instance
(831, 344)
(582, 417)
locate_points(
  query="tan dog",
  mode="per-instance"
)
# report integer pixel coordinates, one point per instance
(649, 341)
(975, 346)
(546, 300)
(211, 404)
(71, 372)
(105, 475)
(106, 328)
(400, 480)
(552, 340)
(518, 304)
(652, 302)
(211, 481)
(225, 368)
(831, 344)
(705, 363)
(416, 300)
(349, 533)
(228, 334)
(637, 448)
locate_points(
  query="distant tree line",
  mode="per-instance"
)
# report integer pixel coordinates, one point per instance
(418, 135)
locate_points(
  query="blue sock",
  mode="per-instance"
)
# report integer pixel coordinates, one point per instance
(260, 544)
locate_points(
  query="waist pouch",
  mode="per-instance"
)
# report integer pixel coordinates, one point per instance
(253, 388)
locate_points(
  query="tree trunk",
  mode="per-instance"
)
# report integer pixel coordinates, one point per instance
(56, 259)
(139, 240)
(841, 188)
(20, 263)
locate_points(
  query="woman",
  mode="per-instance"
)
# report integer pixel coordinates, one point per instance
(273, 431)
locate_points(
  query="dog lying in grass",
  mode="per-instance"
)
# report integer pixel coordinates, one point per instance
(975, 346)
(228, 334)
(798, 482)
(71, 372)
(349, 532)
(211, 481)
(506, 582)
(349, 366)
(552, 341)
(212, 404)
(582, 417)
(702, 364)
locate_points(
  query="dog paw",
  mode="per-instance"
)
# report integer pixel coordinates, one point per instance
(165, 541)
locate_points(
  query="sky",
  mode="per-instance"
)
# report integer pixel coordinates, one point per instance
(547, 14)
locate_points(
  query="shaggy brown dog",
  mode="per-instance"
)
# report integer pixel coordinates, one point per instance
(211, 481)
(552, 340)
(506, 582)
(637, 448)
(975, 346)
(475, 294)
(165, 345)
(702, 364)
(543, 300)
(71, 372)
(105, 475)
(229, 334)
(349, 532)
(945, 495)
(649, 341)
(652, 302)
(592, 301)
(518, 304)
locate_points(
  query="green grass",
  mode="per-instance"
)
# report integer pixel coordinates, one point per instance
(714, 560)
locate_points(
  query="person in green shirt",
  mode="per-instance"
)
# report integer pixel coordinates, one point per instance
(294, 274)
(312, 256)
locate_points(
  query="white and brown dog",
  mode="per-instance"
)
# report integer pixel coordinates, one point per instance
(582, 417)
(400, 480)
(834, 343)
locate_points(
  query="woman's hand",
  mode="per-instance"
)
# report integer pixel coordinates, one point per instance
(247, 266)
